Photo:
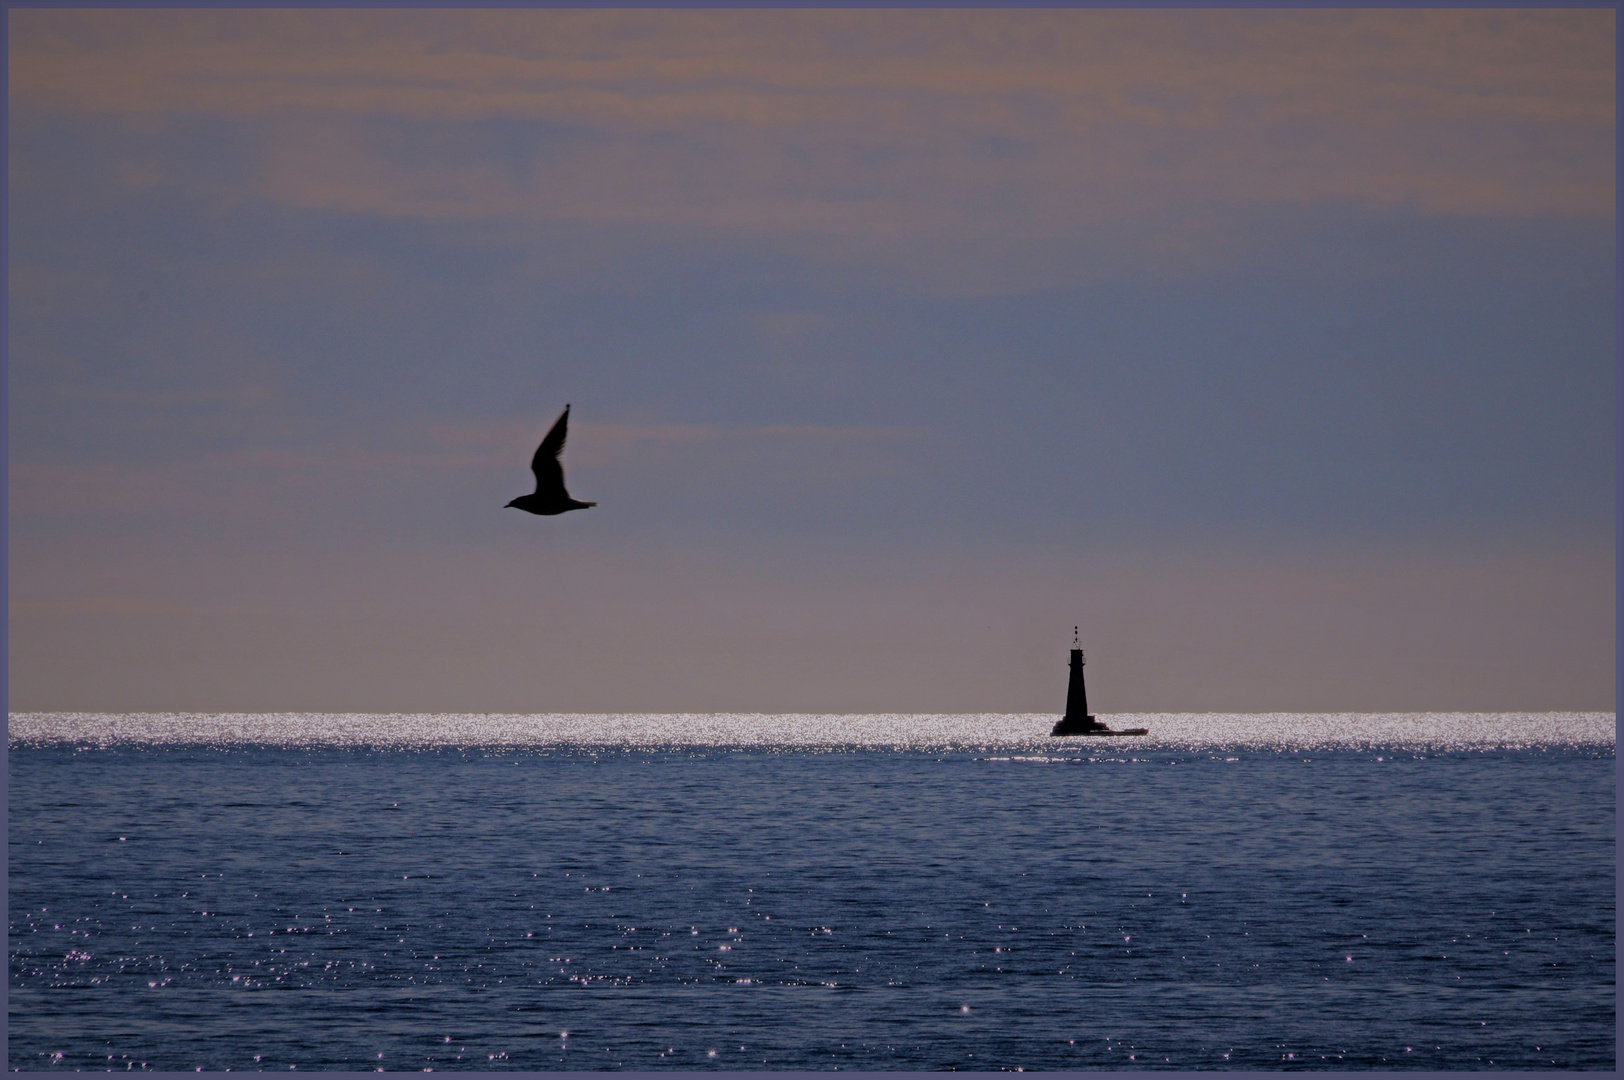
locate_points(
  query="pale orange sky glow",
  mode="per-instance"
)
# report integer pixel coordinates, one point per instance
(1275, 348)
(1507, 112)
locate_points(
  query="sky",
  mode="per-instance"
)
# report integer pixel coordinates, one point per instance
(1274, 349)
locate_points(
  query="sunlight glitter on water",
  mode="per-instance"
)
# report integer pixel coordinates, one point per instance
(1015, 731)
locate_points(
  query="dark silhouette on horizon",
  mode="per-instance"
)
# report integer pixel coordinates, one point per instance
(550, 496)
(1077, 720)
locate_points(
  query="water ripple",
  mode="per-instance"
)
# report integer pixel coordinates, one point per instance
(1012, 731)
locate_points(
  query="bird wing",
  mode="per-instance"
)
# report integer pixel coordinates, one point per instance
(553, 444)
(549, 473)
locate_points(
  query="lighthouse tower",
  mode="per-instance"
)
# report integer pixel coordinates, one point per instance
(1076, 721)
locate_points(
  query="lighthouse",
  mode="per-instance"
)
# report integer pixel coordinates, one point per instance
(1076, 721)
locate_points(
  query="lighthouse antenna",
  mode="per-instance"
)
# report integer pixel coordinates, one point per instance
(1074, 637)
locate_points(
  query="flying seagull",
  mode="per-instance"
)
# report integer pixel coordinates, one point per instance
(550, 496)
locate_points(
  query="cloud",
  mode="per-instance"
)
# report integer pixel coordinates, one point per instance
(97, 606)
(783, 450)
(272, 480)
(861, 124)
(648, 69)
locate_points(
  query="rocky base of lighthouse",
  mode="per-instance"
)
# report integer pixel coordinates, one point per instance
(1089, 726)
(1077, 725)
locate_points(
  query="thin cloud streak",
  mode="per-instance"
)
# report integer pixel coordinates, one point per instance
(644, 68)
(292, 476)
(603, 445)
(890, 124)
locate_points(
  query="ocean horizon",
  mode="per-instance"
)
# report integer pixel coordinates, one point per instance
(1426, 891)
(897, 730)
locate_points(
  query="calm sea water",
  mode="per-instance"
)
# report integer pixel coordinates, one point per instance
(410, 892)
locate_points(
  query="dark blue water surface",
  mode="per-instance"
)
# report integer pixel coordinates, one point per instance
(175, 908)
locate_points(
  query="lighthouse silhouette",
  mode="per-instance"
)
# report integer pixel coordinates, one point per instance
(1077, 720)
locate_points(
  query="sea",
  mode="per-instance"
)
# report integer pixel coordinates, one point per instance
(768, 892)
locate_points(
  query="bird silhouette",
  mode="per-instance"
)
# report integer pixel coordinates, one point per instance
(550, 496)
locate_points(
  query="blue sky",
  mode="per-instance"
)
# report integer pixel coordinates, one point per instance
(1276, 349)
